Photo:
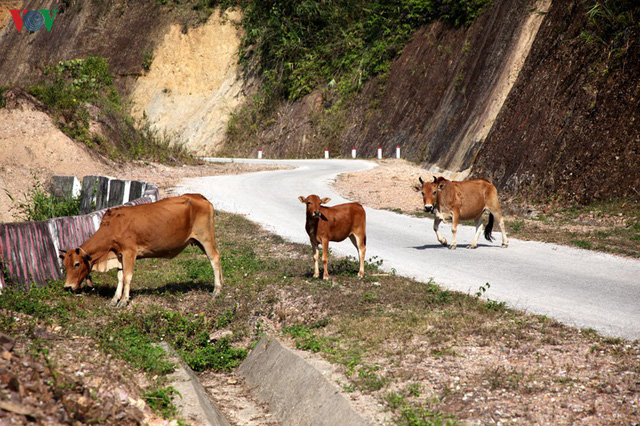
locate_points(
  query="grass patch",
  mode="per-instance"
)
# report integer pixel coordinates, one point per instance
(161, 401)
(40, 204)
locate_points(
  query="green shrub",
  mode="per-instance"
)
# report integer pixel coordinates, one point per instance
(39, 204)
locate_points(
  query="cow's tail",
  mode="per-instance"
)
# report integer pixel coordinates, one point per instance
(489, 228)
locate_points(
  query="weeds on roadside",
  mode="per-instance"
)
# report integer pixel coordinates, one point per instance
(39, 204)
(161, 401)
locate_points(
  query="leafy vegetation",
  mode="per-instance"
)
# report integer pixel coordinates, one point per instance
(300, 46)
(80, 92)
(611, 24)
(161, 400)
(39, 204)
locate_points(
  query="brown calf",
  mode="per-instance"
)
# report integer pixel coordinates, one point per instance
(161, 229)
(466, 200)
(335, 223)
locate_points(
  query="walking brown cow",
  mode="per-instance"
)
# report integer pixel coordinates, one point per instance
(466, 200)
(335, 223)
(161, 229)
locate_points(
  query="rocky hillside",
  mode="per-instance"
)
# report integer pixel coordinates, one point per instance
(571, 125)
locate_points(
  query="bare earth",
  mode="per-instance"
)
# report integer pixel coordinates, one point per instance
(388, 186)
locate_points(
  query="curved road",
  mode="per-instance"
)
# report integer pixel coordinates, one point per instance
(578, 287)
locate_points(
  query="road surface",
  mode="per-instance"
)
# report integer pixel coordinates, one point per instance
(577, 287)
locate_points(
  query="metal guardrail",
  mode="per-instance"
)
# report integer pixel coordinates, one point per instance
(29, 250)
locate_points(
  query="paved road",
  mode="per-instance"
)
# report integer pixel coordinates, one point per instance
(577, 287)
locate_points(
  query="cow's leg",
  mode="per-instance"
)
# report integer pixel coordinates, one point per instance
(118, 295)
(128, 264)
(505, 240)
(325, 259)
(436, 224)
(494, 207)
(454, 230)
(316, 253)
(479, 229)
(359, 243)
(210, 249)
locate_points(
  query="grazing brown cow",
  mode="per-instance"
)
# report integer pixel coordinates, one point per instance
(161, 229)
(466, 200)
(335, 223)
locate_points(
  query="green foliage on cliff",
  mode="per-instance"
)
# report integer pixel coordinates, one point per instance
(611, 25)
(298, 46)
(295, 47)
(80, 92)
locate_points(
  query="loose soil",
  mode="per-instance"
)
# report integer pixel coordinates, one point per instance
(611, 227)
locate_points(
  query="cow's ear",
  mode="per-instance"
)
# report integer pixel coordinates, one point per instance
(441, 186)
(78, 251)
(325, 200)
(302, 199)
(435, 179)
(421, 181)
(87, 258)
(61, 256)
(417, 188)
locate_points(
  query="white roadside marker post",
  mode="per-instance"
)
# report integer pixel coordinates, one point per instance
(326, 153)
(353, 152)
(379, 153)
(398, 151)
(260, 154)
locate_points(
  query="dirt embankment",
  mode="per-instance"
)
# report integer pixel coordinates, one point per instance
(192, 85)
(570, 126)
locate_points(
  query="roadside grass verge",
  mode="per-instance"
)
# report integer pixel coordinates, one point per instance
(609, 226)
(428, 355)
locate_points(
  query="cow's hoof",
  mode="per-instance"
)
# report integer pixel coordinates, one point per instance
(505, 245)
(316, 275)
(326, 277)
(122, 304)
(443, 242)
(114, 302)
(471, 246)
(453, 246)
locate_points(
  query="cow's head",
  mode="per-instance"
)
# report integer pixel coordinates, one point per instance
(313, 204)
(429, 192)
(77, 264)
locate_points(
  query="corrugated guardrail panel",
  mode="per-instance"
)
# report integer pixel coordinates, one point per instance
(28, 252)
(73, 231)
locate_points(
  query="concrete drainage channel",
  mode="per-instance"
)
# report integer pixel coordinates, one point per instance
(296, 392)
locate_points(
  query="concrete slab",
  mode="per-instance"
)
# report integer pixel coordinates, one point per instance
(296, 392)
(193, 403)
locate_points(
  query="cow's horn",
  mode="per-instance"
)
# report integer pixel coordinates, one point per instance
(435, 179)
(62, 251)
(420, 179)
(78, 250)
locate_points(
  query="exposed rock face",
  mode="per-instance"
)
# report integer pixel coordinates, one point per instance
(192, 85)
(571, 125)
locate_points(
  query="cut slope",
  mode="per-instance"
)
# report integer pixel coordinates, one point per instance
(192, 85)
(32, 145)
